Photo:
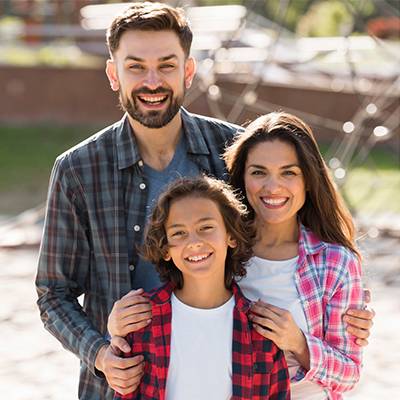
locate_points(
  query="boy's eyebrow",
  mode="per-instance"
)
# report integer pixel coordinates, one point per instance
(204, 219)
(138, 59)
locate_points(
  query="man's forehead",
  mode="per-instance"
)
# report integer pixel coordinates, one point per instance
(149, 44)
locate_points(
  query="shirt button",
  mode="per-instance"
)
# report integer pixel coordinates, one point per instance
(140, 162)
(131, 267)
(136, 228)
(142, 186)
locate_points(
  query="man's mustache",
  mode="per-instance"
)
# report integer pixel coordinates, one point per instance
(145, 90)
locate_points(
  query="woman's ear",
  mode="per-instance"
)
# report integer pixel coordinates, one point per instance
(232, 243)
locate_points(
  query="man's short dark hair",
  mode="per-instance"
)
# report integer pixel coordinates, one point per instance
(150, 17)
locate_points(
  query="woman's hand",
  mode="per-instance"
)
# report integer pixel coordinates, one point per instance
(278, 325)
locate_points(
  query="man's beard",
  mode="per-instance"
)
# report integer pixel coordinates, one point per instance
(151, 119)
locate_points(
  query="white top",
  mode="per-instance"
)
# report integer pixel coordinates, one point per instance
(201, 352)
(273, 282)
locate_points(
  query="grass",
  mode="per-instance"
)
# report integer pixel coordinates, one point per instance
(28, 153)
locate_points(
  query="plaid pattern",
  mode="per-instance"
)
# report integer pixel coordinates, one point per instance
(259, 369)
(328, 279)
(84, 245)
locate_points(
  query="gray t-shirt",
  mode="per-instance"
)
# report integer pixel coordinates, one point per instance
(145, 275)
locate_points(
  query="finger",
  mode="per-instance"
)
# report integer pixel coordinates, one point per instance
(359, 333)
(125, 330)
(135, 317)
(358, 323)
(264, 332)
(266, 323)
(126, 378)
(276, 310)
(266, 313)
(126, 363)
(124, 305)
(362, 342)
(367, 295)
(118, 345)
(367, 314)
(123, 390)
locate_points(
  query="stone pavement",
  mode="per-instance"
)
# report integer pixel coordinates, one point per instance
(35, 366)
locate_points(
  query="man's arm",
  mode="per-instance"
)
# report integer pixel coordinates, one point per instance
(64, 263)
(359, 322)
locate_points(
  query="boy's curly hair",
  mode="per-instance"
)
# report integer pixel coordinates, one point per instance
(234, 214)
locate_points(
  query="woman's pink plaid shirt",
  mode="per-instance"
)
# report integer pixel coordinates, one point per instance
(328, 279)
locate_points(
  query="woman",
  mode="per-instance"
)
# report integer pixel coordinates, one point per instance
(305, 272)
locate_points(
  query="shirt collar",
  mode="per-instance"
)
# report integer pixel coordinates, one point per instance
(195, 139)
(163, 295)
(127, 149)
(309, 242)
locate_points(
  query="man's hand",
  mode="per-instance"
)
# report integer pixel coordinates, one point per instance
(360, 321)
(122, 374)
(129, 314)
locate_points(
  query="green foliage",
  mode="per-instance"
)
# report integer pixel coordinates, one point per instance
(327, 18)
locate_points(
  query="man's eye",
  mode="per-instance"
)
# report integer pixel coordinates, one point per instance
(166, 67)
(136, 67)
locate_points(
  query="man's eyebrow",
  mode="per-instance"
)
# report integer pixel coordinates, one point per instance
(165, 58)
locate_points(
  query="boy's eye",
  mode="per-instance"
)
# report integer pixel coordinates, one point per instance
(177, 234)
(206, 228)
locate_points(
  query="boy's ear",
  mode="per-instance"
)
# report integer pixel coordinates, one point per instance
(167, 256)
(232, 242)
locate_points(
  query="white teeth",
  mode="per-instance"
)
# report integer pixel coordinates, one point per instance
(153, 99)
(274, 202)
(197, 258)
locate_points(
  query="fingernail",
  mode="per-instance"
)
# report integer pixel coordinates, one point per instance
(148, 321)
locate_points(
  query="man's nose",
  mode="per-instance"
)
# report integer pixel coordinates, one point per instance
(152, 79)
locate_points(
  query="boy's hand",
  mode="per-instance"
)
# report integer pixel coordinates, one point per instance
(360, 321)
(129, 314)
(122, 374)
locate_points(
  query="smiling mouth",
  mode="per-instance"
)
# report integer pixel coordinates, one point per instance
(153, 100)
(274, 202)
(198, 258)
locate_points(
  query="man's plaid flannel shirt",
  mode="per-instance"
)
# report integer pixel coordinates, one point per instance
(259, 369)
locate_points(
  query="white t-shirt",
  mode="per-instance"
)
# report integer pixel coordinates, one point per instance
(200, 364)
(273, 282)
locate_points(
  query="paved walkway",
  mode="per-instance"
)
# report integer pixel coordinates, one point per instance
(35, 366)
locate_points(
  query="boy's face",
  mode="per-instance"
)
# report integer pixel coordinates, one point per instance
(151, 73)
(197, 238)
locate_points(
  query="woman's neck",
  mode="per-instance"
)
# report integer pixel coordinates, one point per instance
(277, 241)
(201, 294)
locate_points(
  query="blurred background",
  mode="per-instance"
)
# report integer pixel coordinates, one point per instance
(334, 63)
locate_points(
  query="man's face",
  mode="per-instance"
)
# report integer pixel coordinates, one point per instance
(151, 74)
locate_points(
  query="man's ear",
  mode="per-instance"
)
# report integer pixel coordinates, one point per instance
(190, 70)
(111, 72)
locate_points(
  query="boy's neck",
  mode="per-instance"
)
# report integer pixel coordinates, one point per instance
(204, 295)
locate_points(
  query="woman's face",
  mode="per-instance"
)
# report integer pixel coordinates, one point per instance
(274, 182)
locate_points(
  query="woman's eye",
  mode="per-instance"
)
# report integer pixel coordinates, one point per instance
(289, 173)
(257, 172)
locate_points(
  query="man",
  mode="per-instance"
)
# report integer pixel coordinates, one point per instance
(102, 190)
